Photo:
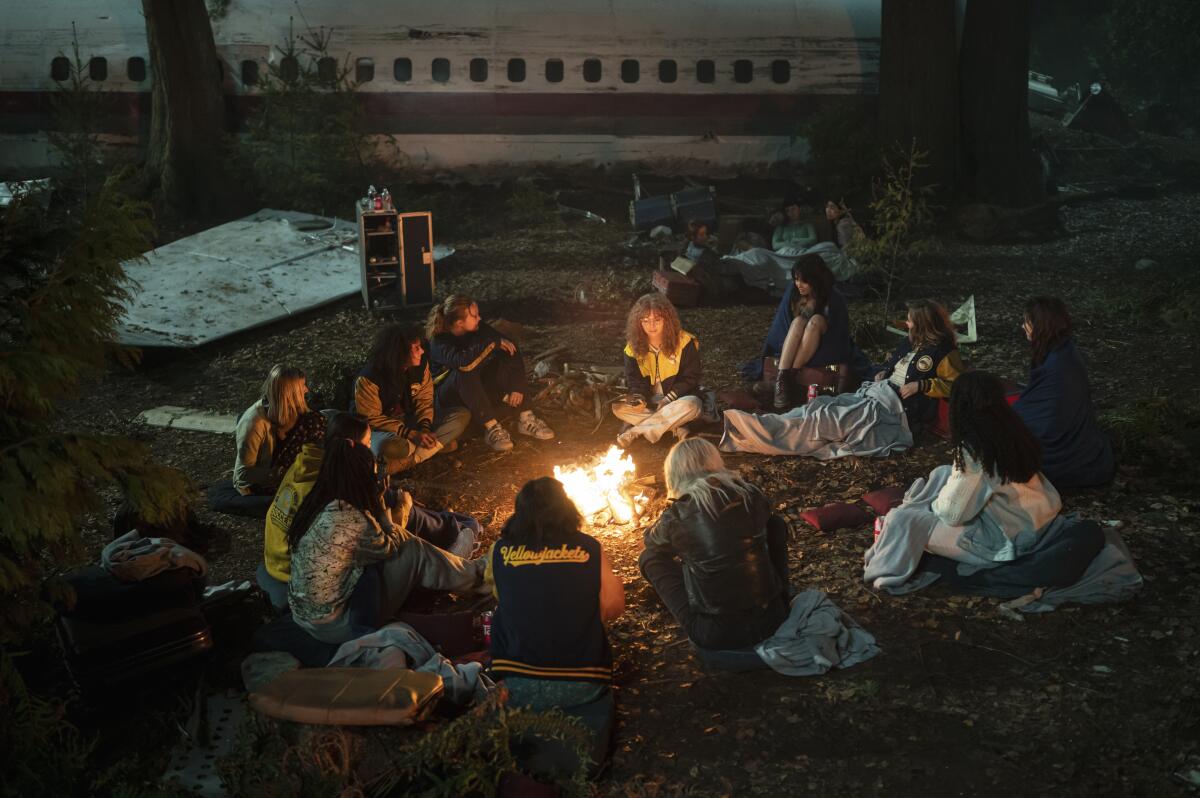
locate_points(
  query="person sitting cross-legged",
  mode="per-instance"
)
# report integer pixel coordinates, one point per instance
(353, 565)
(662, 371)
(477, 368)
(394, 392)
(454, 532)
(717, 556)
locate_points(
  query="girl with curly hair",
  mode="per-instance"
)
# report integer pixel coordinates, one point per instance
(662, 370)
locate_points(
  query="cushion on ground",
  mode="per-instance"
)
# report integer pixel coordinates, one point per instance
(350, 696)
(838, 515)
(884, 500)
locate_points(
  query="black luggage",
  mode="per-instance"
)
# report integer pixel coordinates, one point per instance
(119, 631)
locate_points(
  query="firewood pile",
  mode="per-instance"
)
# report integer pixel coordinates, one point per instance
(580, 389)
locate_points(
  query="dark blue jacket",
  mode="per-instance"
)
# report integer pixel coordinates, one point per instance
(1056, 406)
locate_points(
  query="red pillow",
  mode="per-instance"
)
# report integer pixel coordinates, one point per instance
(884, 499)
(838, 515)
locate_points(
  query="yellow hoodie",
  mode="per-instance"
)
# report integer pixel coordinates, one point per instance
(297, 482)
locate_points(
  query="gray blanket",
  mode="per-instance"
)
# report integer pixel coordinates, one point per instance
(891, 564)
(815, 637)
(398, 645)
(772, 271)
(868, 423)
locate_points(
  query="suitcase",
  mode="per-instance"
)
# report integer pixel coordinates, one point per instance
(695, 205)
(119, 631)
(649, 212)
(683, 291)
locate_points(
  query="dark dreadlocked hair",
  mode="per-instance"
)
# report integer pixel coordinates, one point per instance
(1051, 325)
(347, 473)
(983, 424)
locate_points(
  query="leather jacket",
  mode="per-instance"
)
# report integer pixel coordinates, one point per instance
(727, 566)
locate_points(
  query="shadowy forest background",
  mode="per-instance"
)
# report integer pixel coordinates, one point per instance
(913, 179)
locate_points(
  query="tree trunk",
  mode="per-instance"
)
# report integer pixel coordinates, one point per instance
(918, 85)
(187, 128)
(999, 165)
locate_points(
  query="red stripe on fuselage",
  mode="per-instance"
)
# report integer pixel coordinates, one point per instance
(606, 113)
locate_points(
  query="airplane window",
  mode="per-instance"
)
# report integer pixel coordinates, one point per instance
(554, 70)
(630, 70)
(667, 72)
(781, 71)
(327, 70)
(402, 70)
(516, 70)
(478, 69)
(364, 70)
(706, 71)
(60, 69)
(98, 68)
(249, 73)
(441, 70)
(592, 70)
(289, 69)
(743, 70)
(135, 69)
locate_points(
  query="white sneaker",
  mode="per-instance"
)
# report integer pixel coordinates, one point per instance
(534, 427)
(497, 438)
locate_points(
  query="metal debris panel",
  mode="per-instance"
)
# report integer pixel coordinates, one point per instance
(238, 276)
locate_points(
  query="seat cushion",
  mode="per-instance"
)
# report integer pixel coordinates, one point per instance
(884, 500)
(837, 515)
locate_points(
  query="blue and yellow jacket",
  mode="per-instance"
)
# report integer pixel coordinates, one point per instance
(934, 367)
(678, 371)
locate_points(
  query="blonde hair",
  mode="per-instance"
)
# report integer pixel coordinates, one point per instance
(658, 305)
(445, 313)
(930, 324)
(694, 468)
(283, 396)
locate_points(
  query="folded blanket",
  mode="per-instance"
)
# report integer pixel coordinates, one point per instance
(815, 637)
(131, 558)
(868, 423)
(398, 645)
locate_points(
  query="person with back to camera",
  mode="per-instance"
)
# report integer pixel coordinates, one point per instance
(451, 531)
(662, 369)
(1056, 406)
(394, 392)
(717, 557)
(477, 368)
(817, 349)
(794, 235)
(995, 501)
(555, 589)
(270, 434)
(353, 565)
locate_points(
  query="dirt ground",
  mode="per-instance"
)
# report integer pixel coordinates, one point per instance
(963, 700)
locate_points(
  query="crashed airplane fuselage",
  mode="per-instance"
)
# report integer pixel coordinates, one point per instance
(487, 83)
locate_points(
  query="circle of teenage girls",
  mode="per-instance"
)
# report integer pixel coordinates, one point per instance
(344, 548)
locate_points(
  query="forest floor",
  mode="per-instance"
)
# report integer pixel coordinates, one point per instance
(963, 699)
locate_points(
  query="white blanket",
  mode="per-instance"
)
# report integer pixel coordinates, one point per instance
(772, 271)
(868, 423)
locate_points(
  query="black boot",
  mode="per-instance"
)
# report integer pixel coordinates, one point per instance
(785, 394)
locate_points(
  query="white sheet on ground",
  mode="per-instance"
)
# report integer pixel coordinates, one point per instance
(868, 423)
(772, 271)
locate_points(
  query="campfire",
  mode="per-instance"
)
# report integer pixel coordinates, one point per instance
(605, 491)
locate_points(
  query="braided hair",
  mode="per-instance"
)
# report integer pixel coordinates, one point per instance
(983, 424)
(347, 474)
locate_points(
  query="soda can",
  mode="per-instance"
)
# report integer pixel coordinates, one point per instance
(814, 391)
(878, 525)
(487, 627)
